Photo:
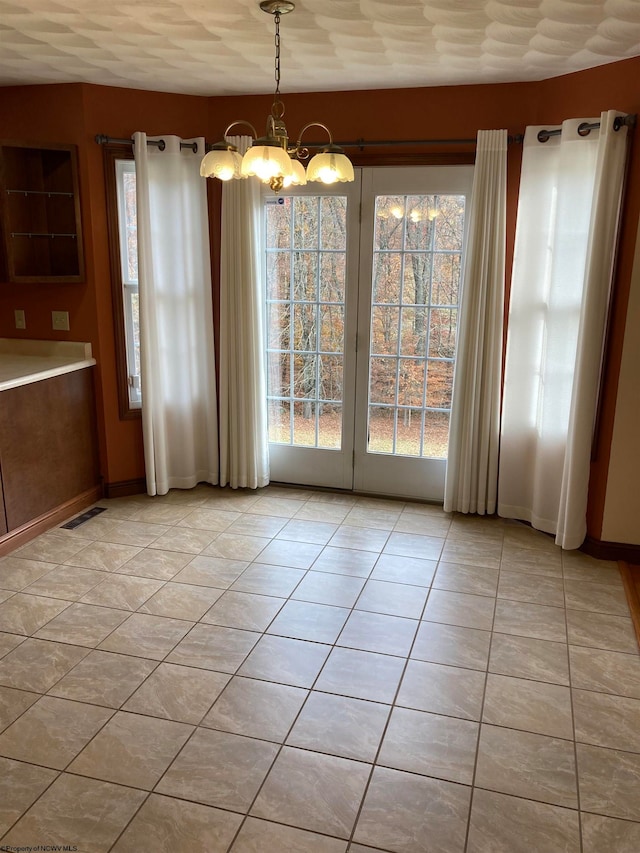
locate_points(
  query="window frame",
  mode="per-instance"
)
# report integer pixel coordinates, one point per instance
(128, 410)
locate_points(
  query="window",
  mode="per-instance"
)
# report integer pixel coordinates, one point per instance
(120, 177)
(417, 258)
(305, 279)
(128, 241)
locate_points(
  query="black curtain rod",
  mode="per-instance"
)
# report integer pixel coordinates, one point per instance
(102, 139)
(586, 127)
(363, 143)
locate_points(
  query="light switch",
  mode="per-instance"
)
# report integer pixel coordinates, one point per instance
(21, 322)
(60, 321)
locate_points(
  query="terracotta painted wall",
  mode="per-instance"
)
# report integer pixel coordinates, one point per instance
(621, 521)
(44, 114)
(75, 113)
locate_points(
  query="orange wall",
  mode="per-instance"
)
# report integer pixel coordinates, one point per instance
(44, 114)
(75, 113)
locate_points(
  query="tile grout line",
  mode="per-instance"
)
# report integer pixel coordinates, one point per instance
(198, 727)
(185, 744)
(263, 634)
(392, 707)
(309, 692)
(573, 716)
(484, 696)
(112, 715)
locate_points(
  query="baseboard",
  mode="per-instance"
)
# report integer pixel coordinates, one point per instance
(631, 580)
(21, 535)
(124, 488)
(616, 551)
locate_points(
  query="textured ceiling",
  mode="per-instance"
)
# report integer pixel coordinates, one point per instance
(224, 47)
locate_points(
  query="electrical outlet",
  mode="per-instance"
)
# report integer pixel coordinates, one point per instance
(21, 322)
(60, 321)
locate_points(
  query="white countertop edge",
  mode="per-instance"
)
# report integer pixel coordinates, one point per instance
(49, 373)
(70, 350)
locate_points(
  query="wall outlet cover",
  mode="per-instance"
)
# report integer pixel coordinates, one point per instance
(21, 322)
(60, 321)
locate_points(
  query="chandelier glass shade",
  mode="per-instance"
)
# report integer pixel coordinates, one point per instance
(270, 158)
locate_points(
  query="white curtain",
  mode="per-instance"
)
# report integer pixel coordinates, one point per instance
(568, 211)
(244, 449)
(471, 483)
(177, 368)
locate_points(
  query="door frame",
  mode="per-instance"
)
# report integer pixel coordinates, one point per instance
(318, 466)
(353, 467)
(378, 473)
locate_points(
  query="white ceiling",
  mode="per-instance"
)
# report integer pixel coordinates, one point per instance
(225, 47)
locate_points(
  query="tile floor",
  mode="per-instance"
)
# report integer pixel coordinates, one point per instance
(299, 671)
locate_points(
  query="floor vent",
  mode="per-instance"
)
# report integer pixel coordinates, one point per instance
(80, 519)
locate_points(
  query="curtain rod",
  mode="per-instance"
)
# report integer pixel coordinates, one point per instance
(102, 139)
(586, 127)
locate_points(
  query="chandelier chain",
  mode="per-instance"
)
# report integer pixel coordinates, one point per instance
(277, 46)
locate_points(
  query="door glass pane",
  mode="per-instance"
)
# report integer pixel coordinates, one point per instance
(305, 245)
(416, 282)
(387, 273)
(408, 432)
(279, 421)
(330, 426)
(442, 332)
(389, 225)
(384, 326)
(381, 429)
(331, 327)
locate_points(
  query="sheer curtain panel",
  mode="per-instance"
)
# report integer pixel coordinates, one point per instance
(471, 483)
(570, 192)
(177, 358)
(244, 449)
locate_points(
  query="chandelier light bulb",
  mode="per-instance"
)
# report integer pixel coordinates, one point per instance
(266, 162)
(297, 177)
(330, 166)
(222, 164)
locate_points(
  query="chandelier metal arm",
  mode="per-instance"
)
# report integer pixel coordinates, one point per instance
(241, 121)
(315, 124)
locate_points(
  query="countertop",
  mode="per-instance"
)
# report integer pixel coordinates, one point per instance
(25, 361)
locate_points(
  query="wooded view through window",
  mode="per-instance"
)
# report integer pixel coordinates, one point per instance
(416, 275)
(128, 238)
(305, 279)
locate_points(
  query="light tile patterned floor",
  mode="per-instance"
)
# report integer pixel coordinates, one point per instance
(298, 671)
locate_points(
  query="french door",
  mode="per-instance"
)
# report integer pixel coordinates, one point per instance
(362, 293)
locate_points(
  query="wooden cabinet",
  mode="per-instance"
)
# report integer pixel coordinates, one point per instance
(42, 233)
(48, 445)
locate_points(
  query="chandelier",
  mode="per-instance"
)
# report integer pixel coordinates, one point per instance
(271, 158)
